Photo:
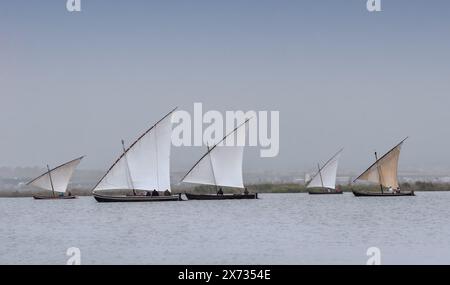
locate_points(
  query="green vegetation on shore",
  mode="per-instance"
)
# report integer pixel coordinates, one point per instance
(257, 188)
(298, 188)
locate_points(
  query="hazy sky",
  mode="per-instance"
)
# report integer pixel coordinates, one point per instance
(76, 83)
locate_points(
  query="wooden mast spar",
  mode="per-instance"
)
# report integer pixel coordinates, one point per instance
(51, 181)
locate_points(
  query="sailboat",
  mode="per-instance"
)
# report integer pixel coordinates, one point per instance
(384, 172)
(56, 180)
(220, 166)
(325, 178)
(143, 169)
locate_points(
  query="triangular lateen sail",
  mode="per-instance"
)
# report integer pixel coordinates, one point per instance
(384, 170)
(57, 179)
(146, 162)
(307, 178)
(221, 165)
(326, 176)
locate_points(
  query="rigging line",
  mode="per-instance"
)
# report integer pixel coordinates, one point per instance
(211, 149)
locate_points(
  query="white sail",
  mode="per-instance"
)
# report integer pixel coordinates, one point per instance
(221, 165)
(117, 177)
(326, 176)
(202, 172)
(58, 178)
(307, 178)
(384, 170)
(145, 165)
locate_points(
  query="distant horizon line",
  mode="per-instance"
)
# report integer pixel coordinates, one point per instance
(341, 173)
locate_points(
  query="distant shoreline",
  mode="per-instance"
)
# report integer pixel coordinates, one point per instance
(418, 186)
(276, 188)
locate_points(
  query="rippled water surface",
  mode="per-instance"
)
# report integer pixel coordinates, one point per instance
(276, 229)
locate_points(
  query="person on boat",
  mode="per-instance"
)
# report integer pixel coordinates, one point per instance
(148, 193)
(220, 192)
(397, 190)
(390, 190)
(155, 193)
(69, 193)
(167, 192)
(246, 191)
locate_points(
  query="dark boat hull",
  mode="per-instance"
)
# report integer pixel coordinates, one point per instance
(54, 198)
(221, 197)
(375, 194)
(105, 199)
(324, 192)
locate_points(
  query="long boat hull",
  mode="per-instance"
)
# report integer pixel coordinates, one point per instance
(324, 192)
(221, 197)
(123, 198)
(53, 198)
(378, 194)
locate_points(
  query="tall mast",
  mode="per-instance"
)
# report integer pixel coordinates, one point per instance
(157, 163)
(379, 172)
(212, 167)
(51, 181)
(128, 167)
(320, 174)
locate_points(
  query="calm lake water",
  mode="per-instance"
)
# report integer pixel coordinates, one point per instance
(276, 229)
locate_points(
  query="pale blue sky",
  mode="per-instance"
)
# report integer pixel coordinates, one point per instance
(76, 83)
